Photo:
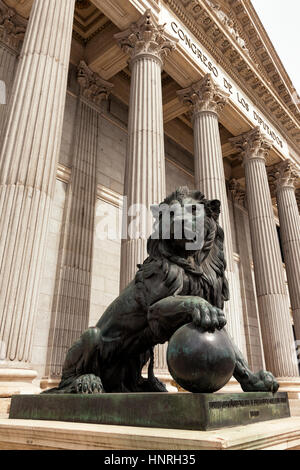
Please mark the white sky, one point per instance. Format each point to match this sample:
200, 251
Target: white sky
281, 19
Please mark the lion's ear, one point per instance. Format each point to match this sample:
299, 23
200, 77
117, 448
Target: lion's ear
215, 207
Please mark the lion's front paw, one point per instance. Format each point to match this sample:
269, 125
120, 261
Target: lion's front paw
262, 381
208, 317
88, 383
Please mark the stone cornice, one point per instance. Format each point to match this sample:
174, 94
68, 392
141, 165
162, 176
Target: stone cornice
201, 22
12, 27
146, 37
257, 34
253, 145
92, 86
204, 95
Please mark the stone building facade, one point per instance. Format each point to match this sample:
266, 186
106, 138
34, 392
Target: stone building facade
113, 98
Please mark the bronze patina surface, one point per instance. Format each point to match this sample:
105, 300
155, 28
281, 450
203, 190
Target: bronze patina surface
191, 411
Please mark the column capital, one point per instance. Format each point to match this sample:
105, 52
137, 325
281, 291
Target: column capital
204, 95
253, 145
92, 86
146, 38
12, 27
284, 175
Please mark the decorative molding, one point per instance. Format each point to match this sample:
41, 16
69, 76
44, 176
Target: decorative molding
253, 145
146, 37
63, 173
109, 196
102, 192
204, 95
229, 25
12, 27
92, 86
197, 17
83, 4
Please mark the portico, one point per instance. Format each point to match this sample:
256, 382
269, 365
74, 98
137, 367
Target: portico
171, 93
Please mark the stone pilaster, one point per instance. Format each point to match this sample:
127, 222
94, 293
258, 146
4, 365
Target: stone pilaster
28, 164
253, 339
286, 175
271, 291
147, 44
206, 101
71, 304
12, 31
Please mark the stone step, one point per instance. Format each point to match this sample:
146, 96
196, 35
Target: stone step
4, 407
294, 407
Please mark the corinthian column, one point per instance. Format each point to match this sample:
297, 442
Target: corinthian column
206, 101
273, 303
27, 177
285, 177
71, 304
12, 30
147, 44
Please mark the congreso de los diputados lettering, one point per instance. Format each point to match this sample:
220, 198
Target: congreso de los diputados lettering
107, 107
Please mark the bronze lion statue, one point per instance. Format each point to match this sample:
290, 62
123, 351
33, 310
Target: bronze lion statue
173, 286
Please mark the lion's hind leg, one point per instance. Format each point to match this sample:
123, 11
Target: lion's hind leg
81, 371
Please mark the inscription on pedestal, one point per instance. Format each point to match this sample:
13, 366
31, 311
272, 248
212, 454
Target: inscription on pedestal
194, 411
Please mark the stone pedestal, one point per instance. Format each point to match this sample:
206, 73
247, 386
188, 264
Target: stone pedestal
273, 303
206, 101
28, 172
189, 411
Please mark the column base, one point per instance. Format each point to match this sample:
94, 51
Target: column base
291, 385
48, 382
17, 381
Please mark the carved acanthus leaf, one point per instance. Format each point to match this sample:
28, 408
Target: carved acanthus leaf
146, 37
252, 145
204, 95
92, 86
12, 26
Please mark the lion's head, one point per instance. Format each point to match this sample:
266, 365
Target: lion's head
204, 268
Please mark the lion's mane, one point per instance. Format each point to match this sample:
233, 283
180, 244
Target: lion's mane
204, 269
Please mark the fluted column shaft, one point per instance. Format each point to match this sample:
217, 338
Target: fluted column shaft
289, 220
147, 44
145, 170
12, 30
71, 306
271, 291
28, 170
8, 61
206, 101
